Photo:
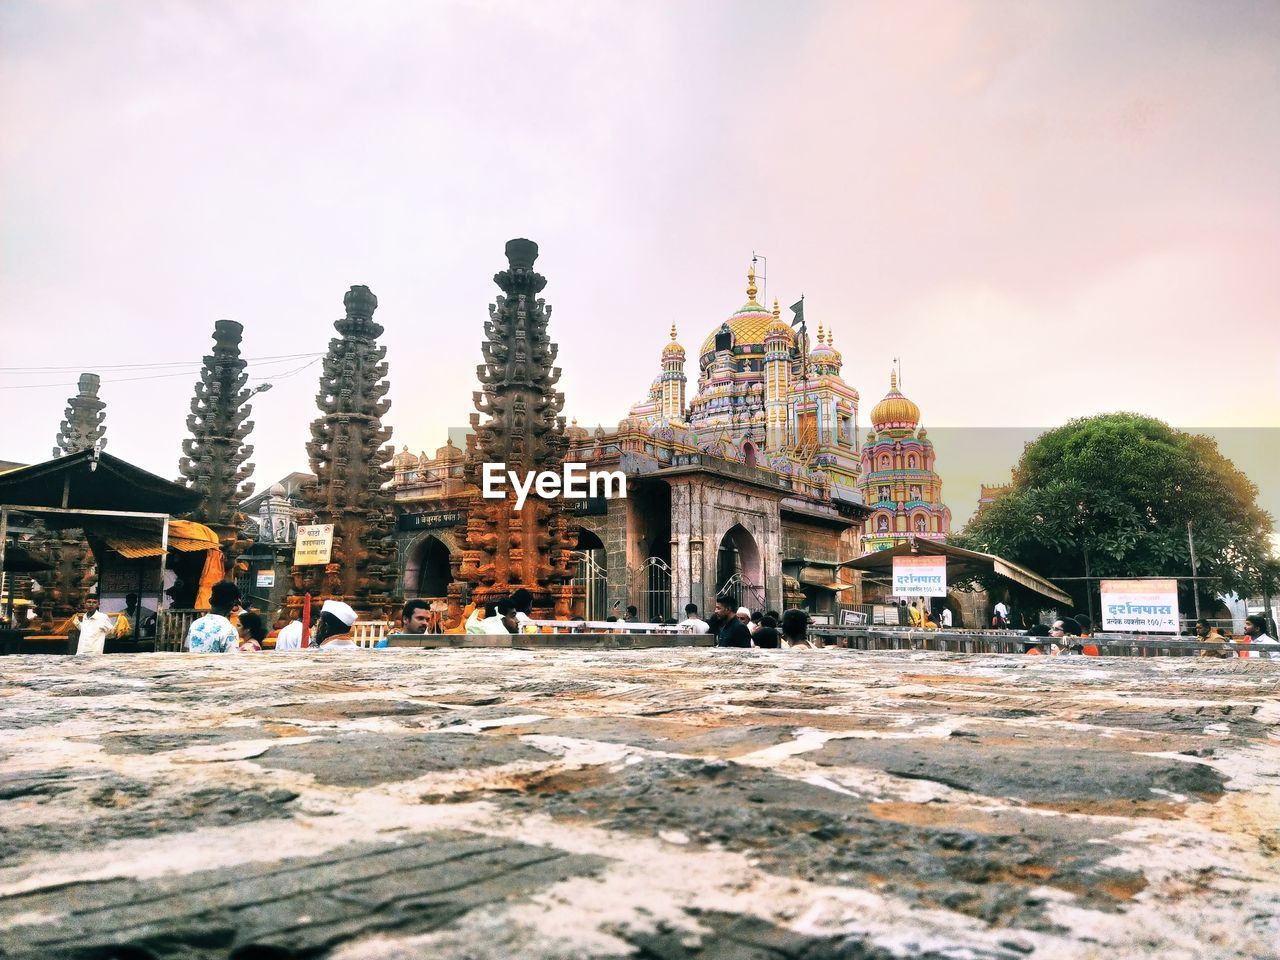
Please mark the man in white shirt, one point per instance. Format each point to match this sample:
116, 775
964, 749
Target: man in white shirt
1255, 628
503, 621
1000, 616
290, 636
333, 629
95, 627
692, 623
946, 618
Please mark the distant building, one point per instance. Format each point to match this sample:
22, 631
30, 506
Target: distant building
899, 481
271, 522
990, 493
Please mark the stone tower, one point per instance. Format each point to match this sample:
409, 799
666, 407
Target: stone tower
350, 459
214, 456
84, 427
508, 548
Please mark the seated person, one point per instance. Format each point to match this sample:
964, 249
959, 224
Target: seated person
478, 616
503, 619
253, 630
795, 629
333, 628
767, 635
415, 617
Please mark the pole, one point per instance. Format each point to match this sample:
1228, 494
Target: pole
1088, 592
1195, 582
306, 620
4, 535
164, 558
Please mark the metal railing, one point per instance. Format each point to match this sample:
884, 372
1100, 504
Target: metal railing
1009, 641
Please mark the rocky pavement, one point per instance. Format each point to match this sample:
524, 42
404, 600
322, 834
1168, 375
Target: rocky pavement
680, 804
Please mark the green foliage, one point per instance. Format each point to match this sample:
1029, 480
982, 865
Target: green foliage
1120, 488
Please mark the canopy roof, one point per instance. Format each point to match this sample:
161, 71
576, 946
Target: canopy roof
92, 480
961, 564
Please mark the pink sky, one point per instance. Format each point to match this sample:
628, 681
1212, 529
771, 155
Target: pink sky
1047, 209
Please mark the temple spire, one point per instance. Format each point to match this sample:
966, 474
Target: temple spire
751, 282
84, 426
350, 457
518, 422
214, 456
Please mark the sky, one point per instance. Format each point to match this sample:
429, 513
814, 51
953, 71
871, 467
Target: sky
1046, 209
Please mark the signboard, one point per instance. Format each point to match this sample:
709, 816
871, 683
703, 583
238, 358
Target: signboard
1147, 605
266, 578
432, 520
920, 576
852, 618
314, 544
886, 615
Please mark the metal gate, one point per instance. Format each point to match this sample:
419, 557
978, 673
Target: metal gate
593, 582
742, 592
655, 591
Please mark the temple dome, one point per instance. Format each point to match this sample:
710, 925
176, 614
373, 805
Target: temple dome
673, 349
894, 412
448, 451
749, 324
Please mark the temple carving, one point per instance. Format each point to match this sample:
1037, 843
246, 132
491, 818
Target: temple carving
214, 456
83, 426
350, 461
523, 428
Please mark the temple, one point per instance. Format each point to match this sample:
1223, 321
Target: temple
747, 489
899, 479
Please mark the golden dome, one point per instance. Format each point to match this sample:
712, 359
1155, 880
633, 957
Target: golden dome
894, 412
673, 348
779, 327
749, 324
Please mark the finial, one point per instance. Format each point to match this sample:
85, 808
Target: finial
751, 281
776, 312
820, 336
673, 333
893, 379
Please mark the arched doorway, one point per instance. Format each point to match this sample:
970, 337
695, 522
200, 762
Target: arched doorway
749, 454
591, 582
740, 568
427, 574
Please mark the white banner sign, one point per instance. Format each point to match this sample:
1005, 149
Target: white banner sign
919, 576
314, 544
1147, 605
266, 578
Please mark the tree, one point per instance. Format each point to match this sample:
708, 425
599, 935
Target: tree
1111, 496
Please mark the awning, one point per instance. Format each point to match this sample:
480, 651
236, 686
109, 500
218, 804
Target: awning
185, 535
92, 480
961, 564
822, 578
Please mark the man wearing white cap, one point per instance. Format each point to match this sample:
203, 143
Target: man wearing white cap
333, 631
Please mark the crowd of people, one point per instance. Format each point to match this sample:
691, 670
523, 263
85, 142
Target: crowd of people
229, 628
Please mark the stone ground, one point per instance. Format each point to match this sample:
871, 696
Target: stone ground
660, 804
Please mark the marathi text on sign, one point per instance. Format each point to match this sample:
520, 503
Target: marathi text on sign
1150, 606
919, 576
314, 544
